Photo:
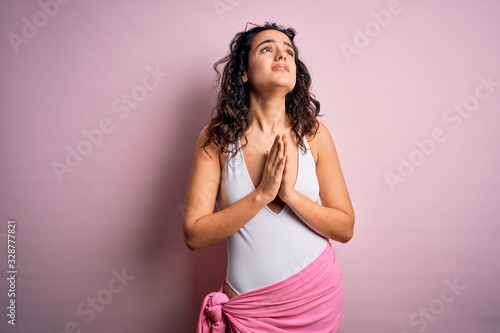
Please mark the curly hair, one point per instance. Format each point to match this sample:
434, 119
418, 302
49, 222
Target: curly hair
230, 117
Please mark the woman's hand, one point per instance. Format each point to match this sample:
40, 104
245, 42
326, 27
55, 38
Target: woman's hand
272, 176
287, 189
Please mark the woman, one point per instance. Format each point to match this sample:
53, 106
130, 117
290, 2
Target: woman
267, 162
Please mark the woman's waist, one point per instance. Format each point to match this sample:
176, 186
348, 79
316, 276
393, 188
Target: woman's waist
258, 264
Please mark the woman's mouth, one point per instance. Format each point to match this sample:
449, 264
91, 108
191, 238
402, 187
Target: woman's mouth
281, 67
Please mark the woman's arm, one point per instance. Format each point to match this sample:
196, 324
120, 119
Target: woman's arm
334, 217
202, 226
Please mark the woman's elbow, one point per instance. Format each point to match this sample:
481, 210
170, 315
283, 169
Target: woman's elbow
349, 234
346, 237
189, 238
190, 245
348, 231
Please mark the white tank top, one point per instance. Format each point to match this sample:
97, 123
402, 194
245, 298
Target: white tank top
271, 246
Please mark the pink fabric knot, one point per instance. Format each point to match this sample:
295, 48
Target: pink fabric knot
213, 309
211, 319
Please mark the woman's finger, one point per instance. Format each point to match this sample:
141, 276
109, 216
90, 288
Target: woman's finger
273, 152
280, 148
285, 145
277, 149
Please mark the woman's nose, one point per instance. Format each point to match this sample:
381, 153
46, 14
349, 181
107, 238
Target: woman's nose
281, 55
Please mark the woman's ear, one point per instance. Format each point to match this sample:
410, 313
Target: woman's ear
244, 77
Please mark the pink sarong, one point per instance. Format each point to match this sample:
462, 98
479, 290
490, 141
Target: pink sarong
309, 301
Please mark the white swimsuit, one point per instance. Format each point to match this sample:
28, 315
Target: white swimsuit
271, 246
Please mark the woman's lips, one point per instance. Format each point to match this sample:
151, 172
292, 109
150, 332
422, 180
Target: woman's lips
280, 67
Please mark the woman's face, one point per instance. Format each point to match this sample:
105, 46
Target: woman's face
271, 62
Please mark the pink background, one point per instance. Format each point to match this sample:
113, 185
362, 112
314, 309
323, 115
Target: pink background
120, 207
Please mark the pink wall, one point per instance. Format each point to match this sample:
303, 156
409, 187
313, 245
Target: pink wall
127, 85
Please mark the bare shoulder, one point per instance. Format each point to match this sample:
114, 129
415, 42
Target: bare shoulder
210, 151
202, 139
320, 142
202, 136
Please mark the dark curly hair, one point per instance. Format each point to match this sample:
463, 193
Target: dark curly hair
230, 119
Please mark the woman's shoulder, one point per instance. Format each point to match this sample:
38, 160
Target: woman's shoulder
209, 146
204, 143
203, 138
320, 134
319, 140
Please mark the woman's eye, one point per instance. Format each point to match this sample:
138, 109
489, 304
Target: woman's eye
266, 50
290, 53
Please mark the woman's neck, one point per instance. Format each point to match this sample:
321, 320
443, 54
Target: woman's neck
268, 115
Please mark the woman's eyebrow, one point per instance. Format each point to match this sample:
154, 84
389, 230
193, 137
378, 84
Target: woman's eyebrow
273, 41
